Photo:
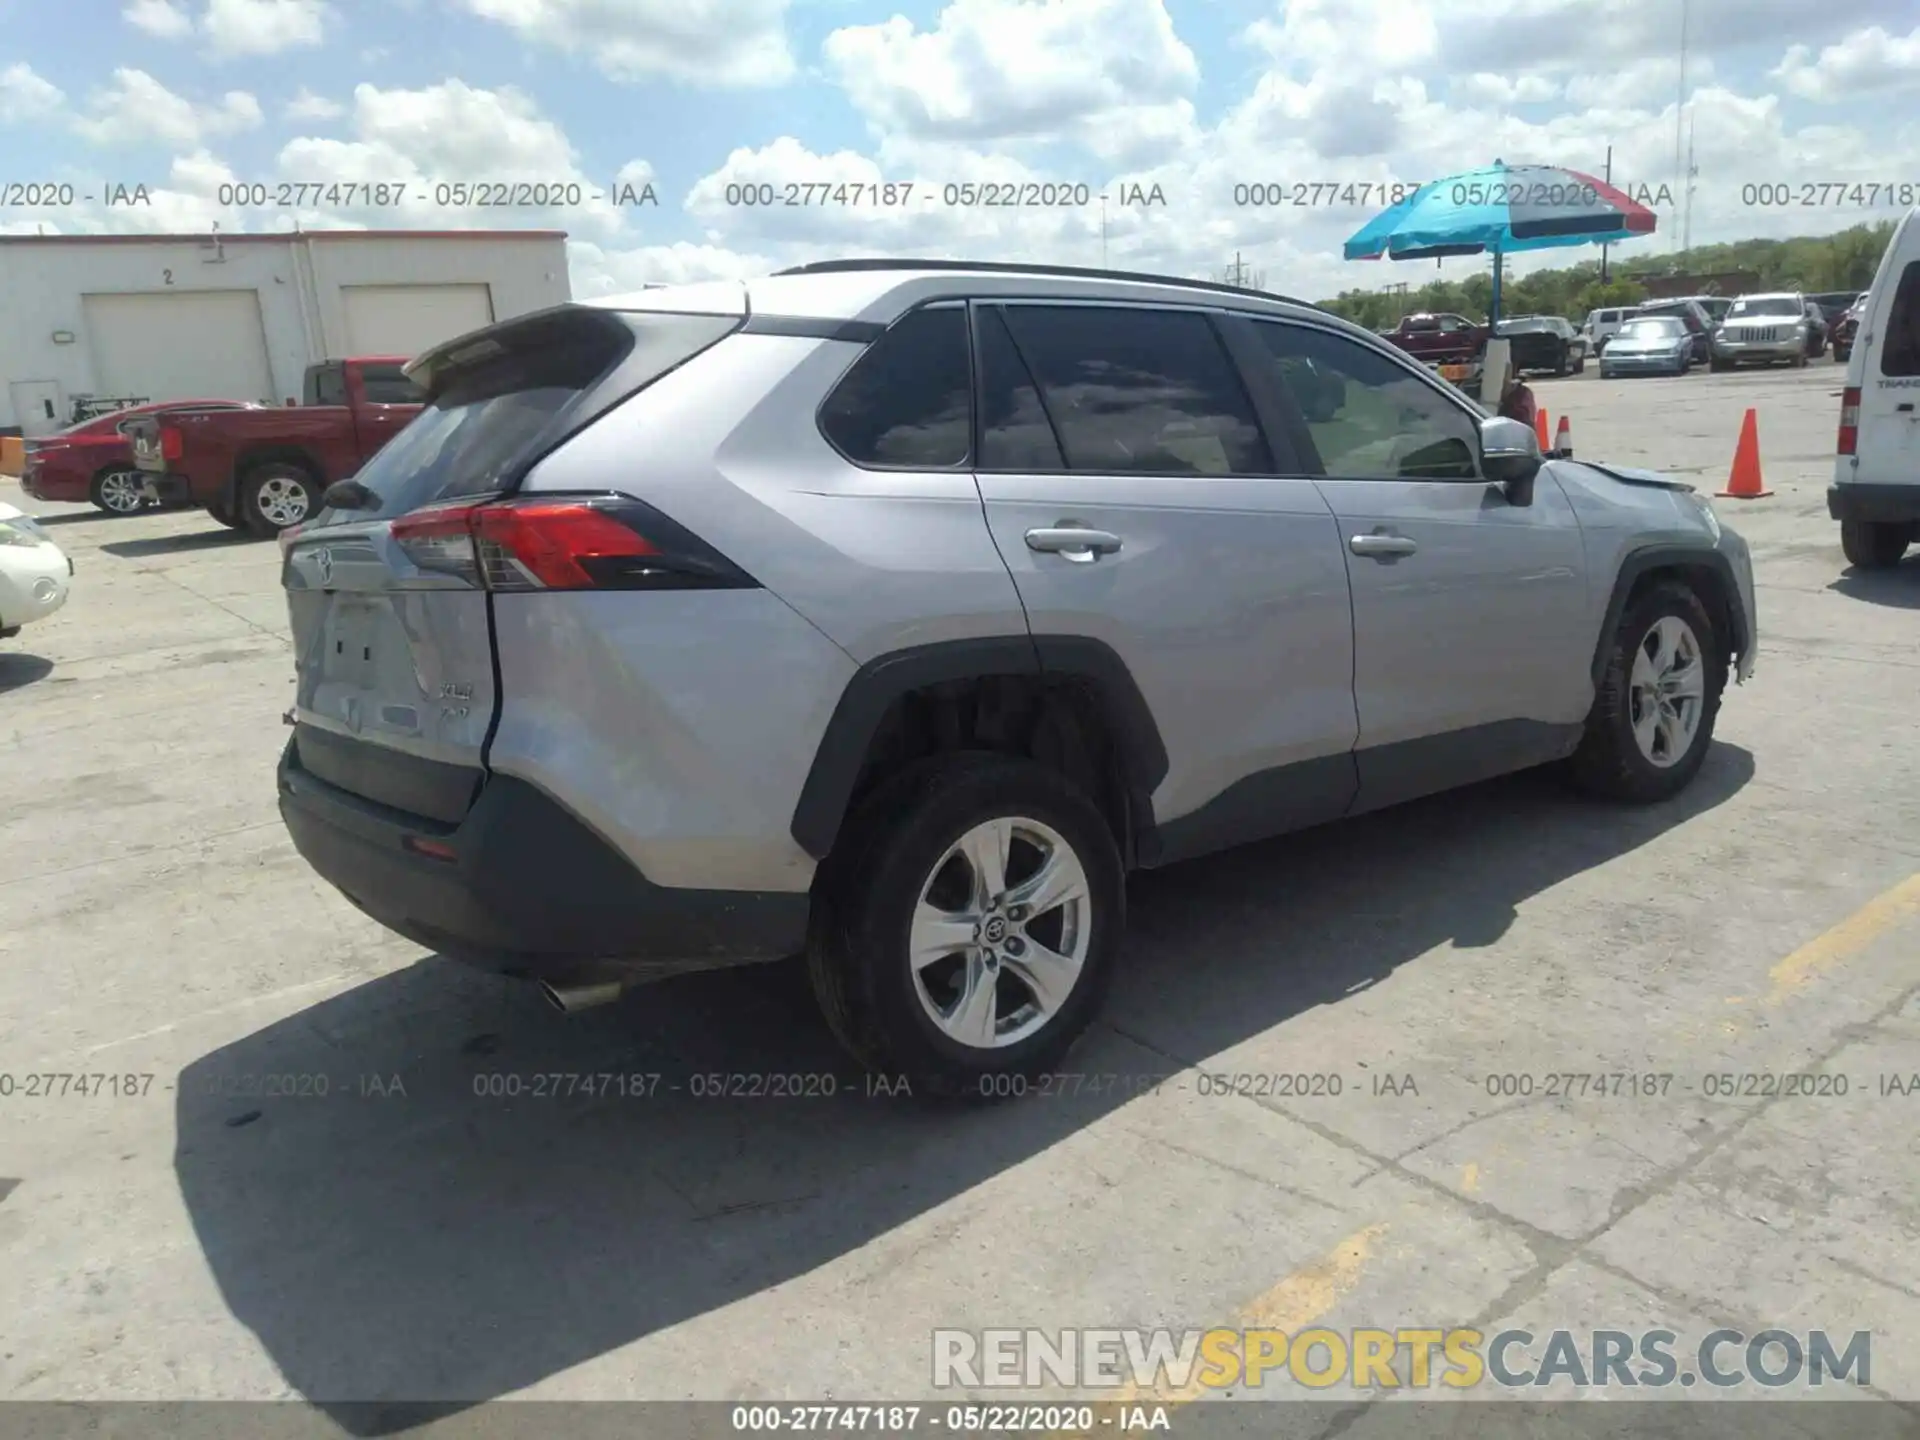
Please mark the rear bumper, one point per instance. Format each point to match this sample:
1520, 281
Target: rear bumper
1878, 504
531, 891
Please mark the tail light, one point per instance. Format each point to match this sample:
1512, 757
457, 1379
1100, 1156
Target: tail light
1849, 419
172, 443
600, 542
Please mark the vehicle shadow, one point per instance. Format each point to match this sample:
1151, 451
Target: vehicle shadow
410, 1237
17, 671
1898, 587
176, 544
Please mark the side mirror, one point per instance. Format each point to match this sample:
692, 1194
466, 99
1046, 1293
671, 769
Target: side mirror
1510, 457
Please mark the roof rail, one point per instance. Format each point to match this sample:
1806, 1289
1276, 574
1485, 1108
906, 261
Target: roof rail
988, 267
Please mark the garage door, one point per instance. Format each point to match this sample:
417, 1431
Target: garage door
406, 319
194, 345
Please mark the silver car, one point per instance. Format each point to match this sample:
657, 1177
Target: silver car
1763, 330
1649, 345
894, 610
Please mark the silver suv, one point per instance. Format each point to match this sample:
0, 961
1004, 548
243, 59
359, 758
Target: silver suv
894, 610
1763, 329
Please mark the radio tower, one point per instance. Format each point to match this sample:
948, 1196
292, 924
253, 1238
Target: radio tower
1693, 174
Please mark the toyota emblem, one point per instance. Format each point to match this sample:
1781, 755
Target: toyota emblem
323, 562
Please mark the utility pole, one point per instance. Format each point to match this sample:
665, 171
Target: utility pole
1680, 99
1603, 248
1693, 171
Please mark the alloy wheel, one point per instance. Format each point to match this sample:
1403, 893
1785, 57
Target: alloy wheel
121, 493
1668, 687
282, 501
1001, 933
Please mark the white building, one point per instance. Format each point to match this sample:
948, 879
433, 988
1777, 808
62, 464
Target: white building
185, 317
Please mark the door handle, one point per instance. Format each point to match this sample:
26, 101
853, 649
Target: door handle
1073, 542
1381, 547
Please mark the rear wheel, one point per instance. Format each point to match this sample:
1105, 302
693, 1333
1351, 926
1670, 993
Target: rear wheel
1653, 716
276, 497
118, 492
1580, 364
966, 927
1874, 545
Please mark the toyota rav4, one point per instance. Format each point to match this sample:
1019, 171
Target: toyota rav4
892, 611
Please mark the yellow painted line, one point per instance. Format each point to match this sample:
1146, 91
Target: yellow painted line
1843, 941
1292, 1305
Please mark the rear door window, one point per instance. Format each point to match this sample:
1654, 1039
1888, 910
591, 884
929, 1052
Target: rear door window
1900, 354
327, 385
1138, 391
1015, 433
907, 402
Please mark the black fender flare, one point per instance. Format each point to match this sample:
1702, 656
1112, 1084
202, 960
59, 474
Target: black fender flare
1639, 563
842, 752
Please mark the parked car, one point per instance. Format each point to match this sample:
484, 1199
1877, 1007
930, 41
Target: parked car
34, 571
1649, 345
1693, 315
93, 460
1833, 304
264, 469
1439, 339
1816, 332
612, 667
1544, 342
1764, 330
1602, 325
1847, 328
1875, 493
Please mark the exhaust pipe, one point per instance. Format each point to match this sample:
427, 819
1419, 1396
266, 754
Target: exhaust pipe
572, 999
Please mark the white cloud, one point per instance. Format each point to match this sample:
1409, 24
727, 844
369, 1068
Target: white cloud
1110, 73
25, 95
1865, 61
160, 18
720, 42
1486, 88
263, 27
308, 106
136, 109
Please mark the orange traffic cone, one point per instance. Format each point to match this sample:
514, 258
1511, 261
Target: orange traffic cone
1563, 438
1744, 482
1540, 430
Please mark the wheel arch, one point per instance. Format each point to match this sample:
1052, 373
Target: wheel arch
253, 458
870, 697
1702, 567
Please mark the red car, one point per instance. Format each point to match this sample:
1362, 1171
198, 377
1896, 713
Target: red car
94, 460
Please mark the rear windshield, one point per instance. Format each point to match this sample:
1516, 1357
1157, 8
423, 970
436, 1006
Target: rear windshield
1900, 354
1780, 305
1651, 329
488, 417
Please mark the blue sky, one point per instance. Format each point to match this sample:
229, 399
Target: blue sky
1197, 97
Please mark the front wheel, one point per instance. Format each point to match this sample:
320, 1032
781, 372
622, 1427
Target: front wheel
1874, 545
1653, 716
1580, 365
118, 492
965, 929
276, 497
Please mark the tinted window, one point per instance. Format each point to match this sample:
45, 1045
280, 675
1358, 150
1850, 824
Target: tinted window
326, 385
389, 385
1900, 355
1015, 433
1369, 417
908, 400
1652, 330
1140, 391
1785, 305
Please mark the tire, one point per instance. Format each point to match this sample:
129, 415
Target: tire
891, 855
1563, 362
1800, 361
267, 503
1580, 365
1874, 545
1612, 763
1840, 356
1718, 367
226, 517
110, 491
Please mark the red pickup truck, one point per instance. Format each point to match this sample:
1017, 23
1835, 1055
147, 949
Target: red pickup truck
264, 470
1439, 339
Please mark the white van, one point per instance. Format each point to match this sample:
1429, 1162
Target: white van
1875, 493
1602, 325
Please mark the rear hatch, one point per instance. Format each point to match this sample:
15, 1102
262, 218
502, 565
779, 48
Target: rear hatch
392, 622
